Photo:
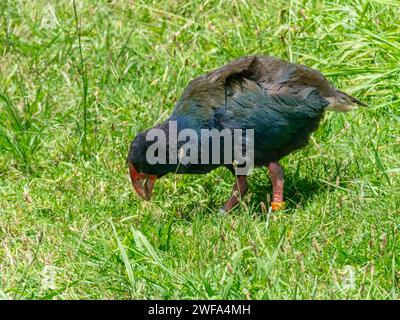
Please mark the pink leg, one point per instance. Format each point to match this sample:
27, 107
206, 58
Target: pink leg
239, 189
276, 175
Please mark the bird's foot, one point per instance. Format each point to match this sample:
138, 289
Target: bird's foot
230, 204
278, 206
222, 212
239, 189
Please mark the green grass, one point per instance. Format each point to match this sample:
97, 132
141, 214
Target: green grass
77, 85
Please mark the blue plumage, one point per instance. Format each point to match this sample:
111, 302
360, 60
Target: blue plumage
282, 120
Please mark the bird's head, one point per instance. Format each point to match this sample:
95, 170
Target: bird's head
143, 175
144, 172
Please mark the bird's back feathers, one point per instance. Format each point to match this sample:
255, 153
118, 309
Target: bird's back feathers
260, 93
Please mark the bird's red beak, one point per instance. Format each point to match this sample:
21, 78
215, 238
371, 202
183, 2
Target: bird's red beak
142, 182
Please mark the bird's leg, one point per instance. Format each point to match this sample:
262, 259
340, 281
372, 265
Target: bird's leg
276, 175
238, 191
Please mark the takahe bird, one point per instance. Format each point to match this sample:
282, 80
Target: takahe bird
282, 102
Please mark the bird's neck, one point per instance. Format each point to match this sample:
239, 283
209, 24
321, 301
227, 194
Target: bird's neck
173, 138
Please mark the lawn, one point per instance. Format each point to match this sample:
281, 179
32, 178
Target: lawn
77, 82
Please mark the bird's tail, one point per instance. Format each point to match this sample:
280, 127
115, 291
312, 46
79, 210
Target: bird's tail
350, 99
343, 102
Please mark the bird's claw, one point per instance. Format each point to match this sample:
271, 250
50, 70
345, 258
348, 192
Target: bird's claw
278, 206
